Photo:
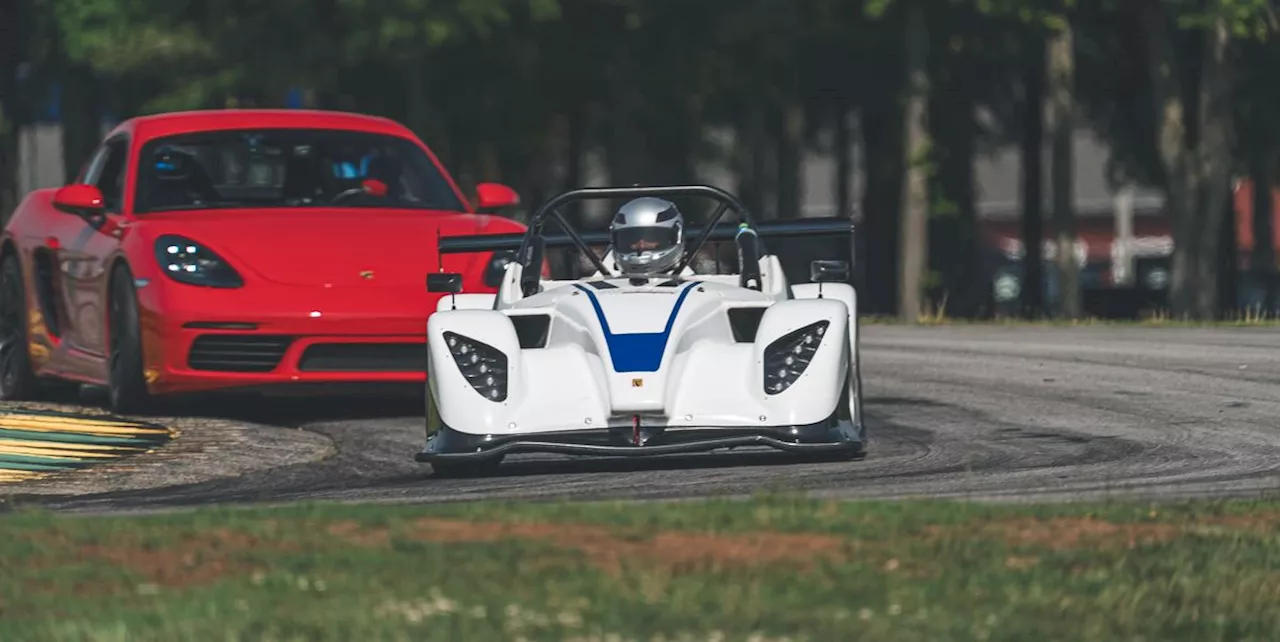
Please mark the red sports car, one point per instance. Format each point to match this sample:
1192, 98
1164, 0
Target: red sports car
211, 250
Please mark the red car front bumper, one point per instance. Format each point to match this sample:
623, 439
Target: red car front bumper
204, 339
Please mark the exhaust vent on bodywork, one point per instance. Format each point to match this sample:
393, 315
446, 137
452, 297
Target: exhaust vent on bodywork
744, 322
531, 329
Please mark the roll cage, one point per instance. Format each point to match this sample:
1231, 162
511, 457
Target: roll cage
530, 245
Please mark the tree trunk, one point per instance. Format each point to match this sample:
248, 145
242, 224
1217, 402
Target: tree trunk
10, 56
790, 157
967, 293
81, 123
1214, 156
1228, 256
963, 289
1171, 143
1197, 170
1263, 261
844, 159
1032, 291
1061, 126
913, 238
881, 122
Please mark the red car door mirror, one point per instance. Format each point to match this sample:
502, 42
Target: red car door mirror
494, 195
79, 199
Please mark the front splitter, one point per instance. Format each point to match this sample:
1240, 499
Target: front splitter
822, 439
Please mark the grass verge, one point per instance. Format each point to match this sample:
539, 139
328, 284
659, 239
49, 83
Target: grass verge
770, 569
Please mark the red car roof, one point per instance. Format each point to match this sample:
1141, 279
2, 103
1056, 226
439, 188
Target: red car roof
186, 122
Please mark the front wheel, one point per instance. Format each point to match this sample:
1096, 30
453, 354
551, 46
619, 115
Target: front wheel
17, 381
127, 388
849, 410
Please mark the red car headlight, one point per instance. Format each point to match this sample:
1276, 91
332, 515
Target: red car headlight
186, 261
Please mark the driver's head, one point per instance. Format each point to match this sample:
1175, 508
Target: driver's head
648, 236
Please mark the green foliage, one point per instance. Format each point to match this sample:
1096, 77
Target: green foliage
1245, 18
121, 37
499, 87
213, 47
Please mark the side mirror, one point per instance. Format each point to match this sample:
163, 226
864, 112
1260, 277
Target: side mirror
446, 282
494, 195
79, 199
821, 271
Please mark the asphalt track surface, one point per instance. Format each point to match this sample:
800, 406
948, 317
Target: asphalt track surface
991, 413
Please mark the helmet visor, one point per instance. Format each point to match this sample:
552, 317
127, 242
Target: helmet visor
638, 240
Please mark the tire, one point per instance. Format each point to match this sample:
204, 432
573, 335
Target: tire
17, 381
862, 418
842, 413
126, 387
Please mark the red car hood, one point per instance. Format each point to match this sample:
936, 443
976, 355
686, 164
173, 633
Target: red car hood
332, 247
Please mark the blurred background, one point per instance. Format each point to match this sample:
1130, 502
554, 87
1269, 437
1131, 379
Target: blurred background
1034, 158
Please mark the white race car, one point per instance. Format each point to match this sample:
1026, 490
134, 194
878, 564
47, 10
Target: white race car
617, 366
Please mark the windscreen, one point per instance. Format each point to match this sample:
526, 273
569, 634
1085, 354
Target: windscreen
302, 168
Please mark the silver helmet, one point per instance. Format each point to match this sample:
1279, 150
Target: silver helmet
648, 236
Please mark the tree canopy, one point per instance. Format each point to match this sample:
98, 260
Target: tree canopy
526, 91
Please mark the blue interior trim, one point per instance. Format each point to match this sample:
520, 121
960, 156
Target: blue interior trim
637, 351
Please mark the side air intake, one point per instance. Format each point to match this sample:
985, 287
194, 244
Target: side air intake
532, 329
744, 322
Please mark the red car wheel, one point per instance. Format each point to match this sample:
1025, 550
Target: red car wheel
126, 386
16, 379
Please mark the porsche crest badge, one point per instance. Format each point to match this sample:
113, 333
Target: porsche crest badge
366, 275
637, 383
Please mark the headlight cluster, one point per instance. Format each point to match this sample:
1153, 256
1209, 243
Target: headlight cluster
184, 260
786, 358
484, 366
497, 267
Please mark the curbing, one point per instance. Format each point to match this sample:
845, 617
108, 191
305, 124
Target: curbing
39, 443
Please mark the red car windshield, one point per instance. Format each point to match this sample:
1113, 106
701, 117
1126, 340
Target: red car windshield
243, 169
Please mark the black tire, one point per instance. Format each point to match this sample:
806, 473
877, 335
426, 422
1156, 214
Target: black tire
17, 381
126, 387
862, 418
842, 413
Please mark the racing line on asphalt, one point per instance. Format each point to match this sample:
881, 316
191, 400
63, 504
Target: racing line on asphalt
999, 413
